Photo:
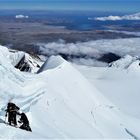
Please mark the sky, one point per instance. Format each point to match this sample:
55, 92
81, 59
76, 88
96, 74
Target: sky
85, 5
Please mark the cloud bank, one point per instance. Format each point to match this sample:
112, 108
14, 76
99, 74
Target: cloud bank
115, 18
21, 16
126, 32
88, 53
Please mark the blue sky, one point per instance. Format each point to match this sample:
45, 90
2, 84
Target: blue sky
94, 5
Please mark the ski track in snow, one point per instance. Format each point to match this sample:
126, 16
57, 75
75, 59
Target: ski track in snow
131, 134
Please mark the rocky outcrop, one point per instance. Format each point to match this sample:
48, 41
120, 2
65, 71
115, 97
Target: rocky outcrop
23, 61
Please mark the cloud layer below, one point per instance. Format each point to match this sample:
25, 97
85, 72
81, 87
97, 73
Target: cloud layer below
88, 53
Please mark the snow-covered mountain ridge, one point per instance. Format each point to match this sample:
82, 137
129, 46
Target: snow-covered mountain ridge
63, 102
21, 60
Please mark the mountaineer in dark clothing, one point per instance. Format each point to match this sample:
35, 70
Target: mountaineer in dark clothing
12, 110
25, 122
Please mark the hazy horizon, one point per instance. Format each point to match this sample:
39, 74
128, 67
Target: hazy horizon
72, 5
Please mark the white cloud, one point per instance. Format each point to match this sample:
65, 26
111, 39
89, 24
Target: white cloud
109, 18
21, 16
114, 18
87, 52
94, 48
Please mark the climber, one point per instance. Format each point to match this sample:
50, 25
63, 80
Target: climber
12, 111
25, 122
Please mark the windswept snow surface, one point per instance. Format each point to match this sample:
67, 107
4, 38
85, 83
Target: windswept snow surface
62, 103
51, 63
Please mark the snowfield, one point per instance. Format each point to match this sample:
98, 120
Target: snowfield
72, 102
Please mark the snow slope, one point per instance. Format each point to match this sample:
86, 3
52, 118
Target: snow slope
119, 83
61, 103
